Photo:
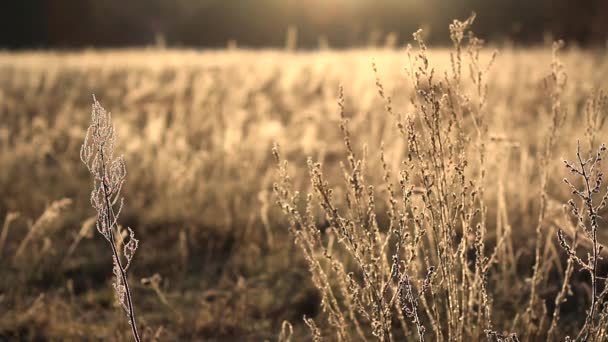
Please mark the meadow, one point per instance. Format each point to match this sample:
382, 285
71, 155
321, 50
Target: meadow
402, 237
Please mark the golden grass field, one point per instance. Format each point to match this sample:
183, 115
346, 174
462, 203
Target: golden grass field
197, 128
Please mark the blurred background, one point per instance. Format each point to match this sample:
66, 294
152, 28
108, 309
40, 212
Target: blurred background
37, 24
196, 123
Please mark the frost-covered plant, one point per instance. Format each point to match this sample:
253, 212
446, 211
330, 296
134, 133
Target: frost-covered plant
109, 175
588, 222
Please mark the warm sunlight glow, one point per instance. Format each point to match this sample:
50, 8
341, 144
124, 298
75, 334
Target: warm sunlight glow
304, 170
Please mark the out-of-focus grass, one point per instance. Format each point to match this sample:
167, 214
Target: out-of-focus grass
196, 129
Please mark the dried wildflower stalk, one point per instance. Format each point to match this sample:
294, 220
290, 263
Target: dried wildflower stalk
587, 219
565, 289
109, 175
595, 115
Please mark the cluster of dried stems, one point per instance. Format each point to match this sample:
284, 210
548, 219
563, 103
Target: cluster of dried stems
423, 268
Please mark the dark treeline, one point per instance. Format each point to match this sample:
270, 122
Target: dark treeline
264, 23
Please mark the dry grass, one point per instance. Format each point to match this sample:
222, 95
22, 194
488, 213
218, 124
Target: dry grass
436, 194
